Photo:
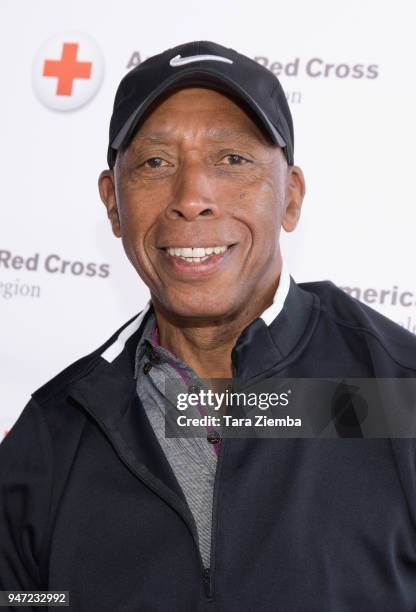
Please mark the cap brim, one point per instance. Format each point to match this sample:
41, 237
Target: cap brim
197, 77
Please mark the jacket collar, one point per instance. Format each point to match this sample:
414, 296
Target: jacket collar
262, 348
263, 343
268, 316
279, 298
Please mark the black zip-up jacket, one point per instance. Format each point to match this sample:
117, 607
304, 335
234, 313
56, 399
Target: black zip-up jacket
89, 503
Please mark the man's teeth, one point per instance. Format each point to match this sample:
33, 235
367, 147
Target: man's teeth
196, 254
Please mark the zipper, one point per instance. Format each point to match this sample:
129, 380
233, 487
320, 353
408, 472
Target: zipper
208, 572
206, 576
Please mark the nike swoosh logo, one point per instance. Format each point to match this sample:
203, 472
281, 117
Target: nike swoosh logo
181, 61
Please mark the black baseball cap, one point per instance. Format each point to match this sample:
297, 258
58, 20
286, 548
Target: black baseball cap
201, 64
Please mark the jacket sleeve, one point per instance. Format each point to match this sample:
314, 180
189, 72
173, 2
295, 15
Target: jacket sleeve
25, 491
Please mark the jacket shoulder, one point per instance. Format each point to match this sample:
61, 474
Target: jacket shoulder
347, 311
78, 368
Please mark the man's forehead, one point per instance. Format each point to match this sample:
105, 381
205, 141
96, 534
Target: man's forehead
216, 133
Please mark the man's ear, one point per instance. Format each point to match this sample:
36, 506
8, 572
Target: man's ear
295, 192
107, 191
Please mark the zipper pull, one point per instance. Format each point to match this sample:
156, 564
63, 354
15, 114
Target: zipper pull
207, 580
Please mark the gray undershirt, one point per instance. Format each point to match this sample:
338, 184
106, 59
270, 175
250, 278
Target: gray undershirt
193, 459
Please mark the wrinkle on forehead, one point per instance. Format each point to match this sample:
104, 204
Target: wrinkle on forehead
212, 132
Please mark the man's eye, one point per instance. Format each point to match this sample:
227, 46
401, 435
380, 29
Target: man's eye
235, 160
154, 162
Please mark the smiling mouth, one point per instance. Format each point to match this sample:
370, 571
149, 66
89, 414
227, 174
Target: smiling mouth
197, 254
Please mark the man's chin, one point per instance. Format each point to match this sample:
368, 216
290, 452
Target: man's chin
203, 308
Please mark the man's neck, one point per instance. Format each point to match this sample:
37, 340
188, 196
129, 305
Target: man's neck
206, 349
206, 345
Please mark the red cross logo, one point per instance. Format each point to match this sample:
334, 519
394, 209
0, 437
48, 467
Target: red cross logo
62, 81
67, 69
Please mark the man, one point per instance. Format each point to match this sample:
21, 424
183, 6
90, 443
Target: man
95, 499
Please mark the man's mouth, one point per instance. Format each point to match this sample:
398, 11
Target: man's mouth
196, 254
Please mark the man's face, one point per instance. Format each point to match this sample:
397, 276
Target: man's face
199, 174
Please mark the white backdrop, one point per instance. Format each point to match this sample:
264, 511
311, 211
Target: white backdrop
348, 70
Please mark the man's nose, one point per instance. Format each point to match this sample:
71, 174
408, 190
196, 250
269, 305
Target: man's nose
193, 193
